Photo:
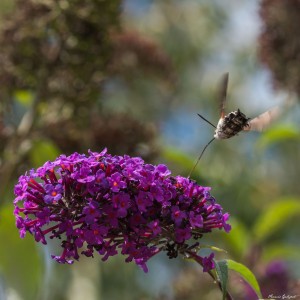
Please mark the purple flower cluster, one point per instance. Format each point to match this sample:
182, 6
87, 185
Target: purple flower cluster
109, 204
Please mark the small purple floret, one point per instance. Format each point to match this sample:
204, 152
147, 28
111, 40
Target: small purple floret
208, 262
99, 203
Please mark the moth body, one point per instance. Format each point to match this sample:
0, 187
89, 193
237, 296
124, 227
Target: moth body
230, 125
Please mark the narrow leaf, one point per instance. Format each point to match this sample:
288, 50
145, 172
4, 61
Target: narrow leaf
246, 274
278, 134
222, 272
280, 251
212, 248
276, 217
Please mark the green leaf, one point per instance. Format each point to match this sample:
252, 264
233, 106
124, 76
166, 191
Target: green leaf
42, 151
247, 275
278, 134
222, 272
277, 215
280, 251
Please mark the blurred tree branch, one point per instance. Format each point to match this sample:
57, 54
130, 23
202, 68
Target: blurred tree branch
63, 53
19, 144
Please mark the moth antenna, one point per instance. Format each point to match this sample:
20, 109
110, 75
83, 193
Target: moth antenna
200, 157
207, 121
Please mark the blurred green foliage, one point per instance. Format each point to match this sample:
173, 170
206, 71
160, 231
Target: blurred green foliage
20, 261
131, 75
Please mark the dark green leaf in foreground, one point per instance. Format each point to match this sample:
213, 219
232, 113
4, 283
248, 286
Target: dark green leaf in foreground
222, 272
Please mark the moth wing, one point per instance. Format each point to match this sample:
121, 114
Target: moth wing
223, 93
264, 120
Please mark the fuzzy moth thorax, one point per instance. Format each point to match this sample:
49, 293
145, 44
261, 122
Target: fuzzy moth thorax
231, 125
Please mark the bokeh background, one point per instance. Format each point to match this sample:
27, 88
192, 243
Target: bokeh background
131, 75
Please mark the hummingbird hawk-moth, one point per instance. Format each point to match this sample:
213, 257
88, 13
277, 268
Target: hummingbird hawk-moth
231, 124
